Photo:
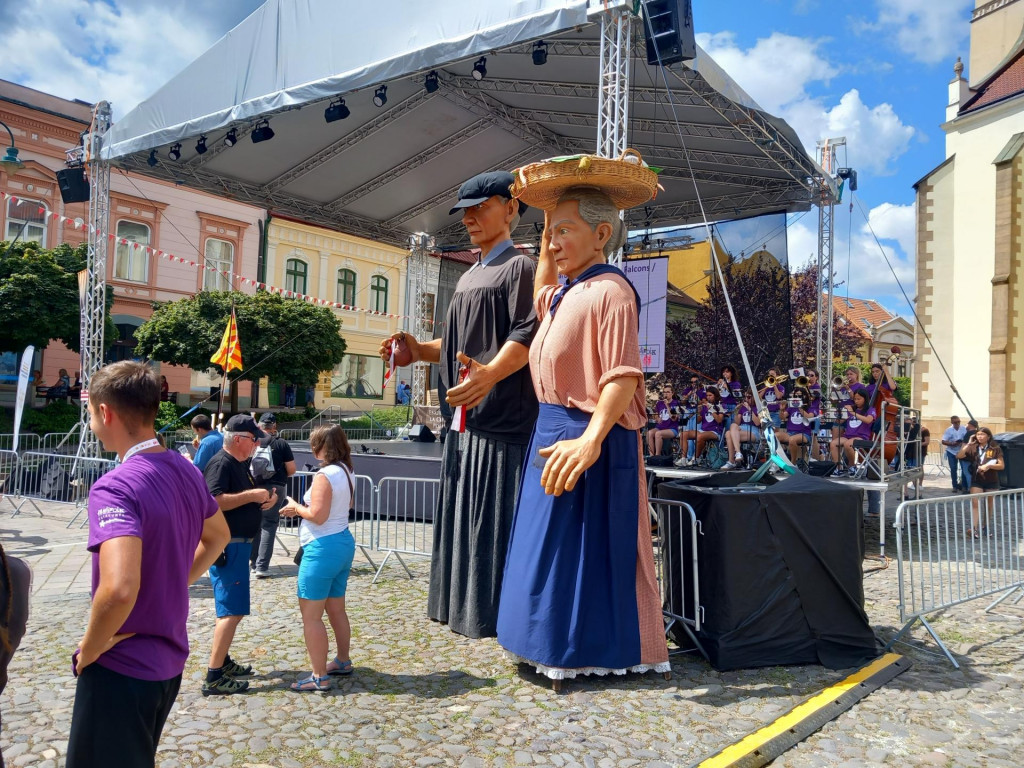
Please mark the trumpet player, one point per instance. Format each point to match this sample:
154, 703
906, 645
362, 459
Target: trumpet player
729, 388
710, 427
843, 398
858, 417
800, 415
667, 413
773, 394
744, 428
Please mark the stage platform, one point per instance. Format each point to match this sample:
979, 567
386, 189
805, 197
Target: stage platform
397, 458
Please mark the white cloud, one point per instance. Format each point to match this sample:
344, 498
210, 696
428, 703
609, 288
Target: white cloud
95, 49
778, 72
859, 264
931, 31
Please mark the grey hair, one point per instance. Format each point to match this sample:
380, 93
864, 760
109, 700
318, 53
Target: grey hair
515, 220
597, 208
230, 435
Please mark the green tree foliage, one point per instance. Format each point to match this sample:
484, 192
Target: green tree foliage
39, 296
284, 339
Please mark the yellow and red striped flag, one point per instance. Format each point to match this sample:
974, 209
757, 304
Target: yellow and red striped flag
229, 355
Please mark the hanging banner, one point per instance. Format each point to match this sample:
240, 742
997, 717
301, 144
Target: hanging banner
19, 402
650, 278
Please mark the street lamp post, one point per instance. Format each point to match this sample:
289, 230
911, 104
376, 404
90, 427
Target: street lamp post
10, 163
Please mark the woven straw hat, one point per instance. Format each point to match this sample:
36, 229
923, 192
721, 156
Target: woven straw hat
628, 181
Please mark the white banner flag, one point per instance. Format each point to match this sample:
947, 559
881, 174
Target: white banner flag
19, 402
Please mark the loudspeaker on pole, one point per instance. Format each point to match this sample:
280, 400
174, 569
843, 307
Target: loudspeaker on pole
73, 186
668, 31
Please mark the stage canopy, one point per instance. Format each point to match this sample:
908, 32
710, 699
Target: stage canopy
385, 172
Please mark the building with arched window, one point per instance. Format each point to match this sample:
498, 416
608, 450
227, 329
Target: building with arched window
364, 280
217, 239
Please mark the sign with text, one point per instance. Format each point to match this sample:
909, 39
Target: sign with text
650, 278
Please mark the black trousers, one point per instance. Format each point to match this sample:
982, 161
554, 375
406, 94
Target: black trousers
117, 720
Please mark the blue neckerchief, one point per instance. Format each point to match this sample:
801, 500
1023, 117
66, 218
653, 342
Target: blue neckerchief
594, 271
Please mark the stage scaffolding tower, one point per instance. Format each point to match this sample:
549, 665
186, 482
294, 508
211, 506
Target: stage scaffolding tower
826, 203
94, 292
613, 95
420, 245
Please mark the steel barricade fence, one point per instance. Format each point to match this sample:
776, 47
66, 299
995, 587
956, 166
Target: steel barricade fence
57, 478
677, 557
9, 476
59, 442
405, 518
27, 441
955, 549
361, 522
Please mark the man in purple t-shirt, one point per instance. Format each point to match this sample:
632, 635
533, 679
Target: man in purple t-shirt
154, 529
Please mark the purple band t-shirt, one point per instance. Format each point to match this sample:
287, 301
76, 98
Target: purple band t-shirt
162, 499
708, 423
664, 413
857, 429
796, 424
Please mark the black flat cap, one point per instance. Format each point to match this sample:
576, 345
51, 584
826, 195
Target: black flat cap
484, 186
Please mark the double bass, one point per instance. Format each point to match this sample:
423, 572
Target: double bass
883, 400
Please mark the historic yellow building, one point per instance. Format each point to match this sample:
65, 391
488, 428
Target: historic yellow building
346, 270
970, 215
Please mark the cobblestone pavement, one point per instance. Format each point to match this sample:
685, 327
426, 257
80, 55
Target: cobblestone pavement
423, 696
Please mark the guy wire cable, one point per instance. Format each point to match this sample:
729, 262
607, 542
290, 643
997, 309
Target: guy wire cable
913, 309
777, 455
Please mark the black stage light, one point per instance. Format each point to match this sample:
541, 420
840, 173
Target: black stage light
262, 132
540, 53
152, 161
430, 82
201, 146
336, 111
175, 152
231, 138
380, 96
480, 68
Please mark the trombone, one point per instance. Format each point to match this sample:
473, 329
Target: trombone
800, 381
773, 381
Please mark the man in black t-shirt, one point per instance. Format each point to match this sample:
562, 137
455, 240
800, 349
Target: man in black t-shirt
282, 463
241, 500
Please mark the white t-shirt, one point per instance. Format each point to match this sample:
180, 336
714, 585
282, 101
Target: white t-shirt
341, 502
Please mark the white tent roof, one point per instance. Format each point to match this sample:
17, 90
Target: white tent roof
386, 172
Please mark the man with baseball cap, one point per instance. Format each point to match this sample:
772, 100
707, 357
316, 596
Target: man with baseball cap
271, 466
487, 333
240, 499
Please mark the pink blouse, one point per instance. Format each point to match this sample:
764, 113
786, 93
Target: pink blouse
592, 340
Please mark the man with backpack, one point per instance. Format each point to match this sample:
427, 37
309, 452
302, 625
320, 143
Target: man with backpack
271, 466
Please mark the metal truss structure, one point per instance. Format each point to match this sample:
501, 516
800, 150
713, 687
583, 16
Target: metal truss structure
826, 257
420, 245
94, 293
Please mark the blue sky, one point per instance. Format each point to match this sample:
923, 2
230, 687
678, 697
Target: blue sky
875, 72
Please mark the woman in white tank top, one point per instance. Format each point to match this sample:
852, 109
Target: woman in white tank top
328, 549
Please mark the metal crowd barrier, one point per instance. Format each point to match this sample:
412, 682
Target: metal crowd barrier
676, 558
9, 465
56, 478
27, 441
360, 522
405, 518
945, 558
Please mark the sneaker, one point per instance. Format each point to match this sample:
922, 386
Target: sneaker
682, 462
737, 459
852, 471
232, 668
264, 574
838, 472
729, 465
224, 686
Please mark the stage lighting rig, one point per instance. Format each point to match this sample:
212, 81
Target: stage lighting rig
201, 146
262, 132
540, 53
850, 175
480, 68
175, 152
231, 138
152, 161
336, 111
430, 82
380, 96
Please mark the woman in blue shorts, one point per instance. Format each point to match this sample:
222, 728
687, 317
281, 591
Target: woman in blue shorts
328, 549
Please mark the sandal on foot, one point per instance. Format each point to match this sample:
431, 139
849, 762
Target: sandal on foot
224, 686
340, 667
312, 683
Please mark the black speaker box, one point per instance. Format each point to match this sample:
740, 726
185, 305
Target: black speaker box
821, 468
668, 31
421, 433
73, 186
